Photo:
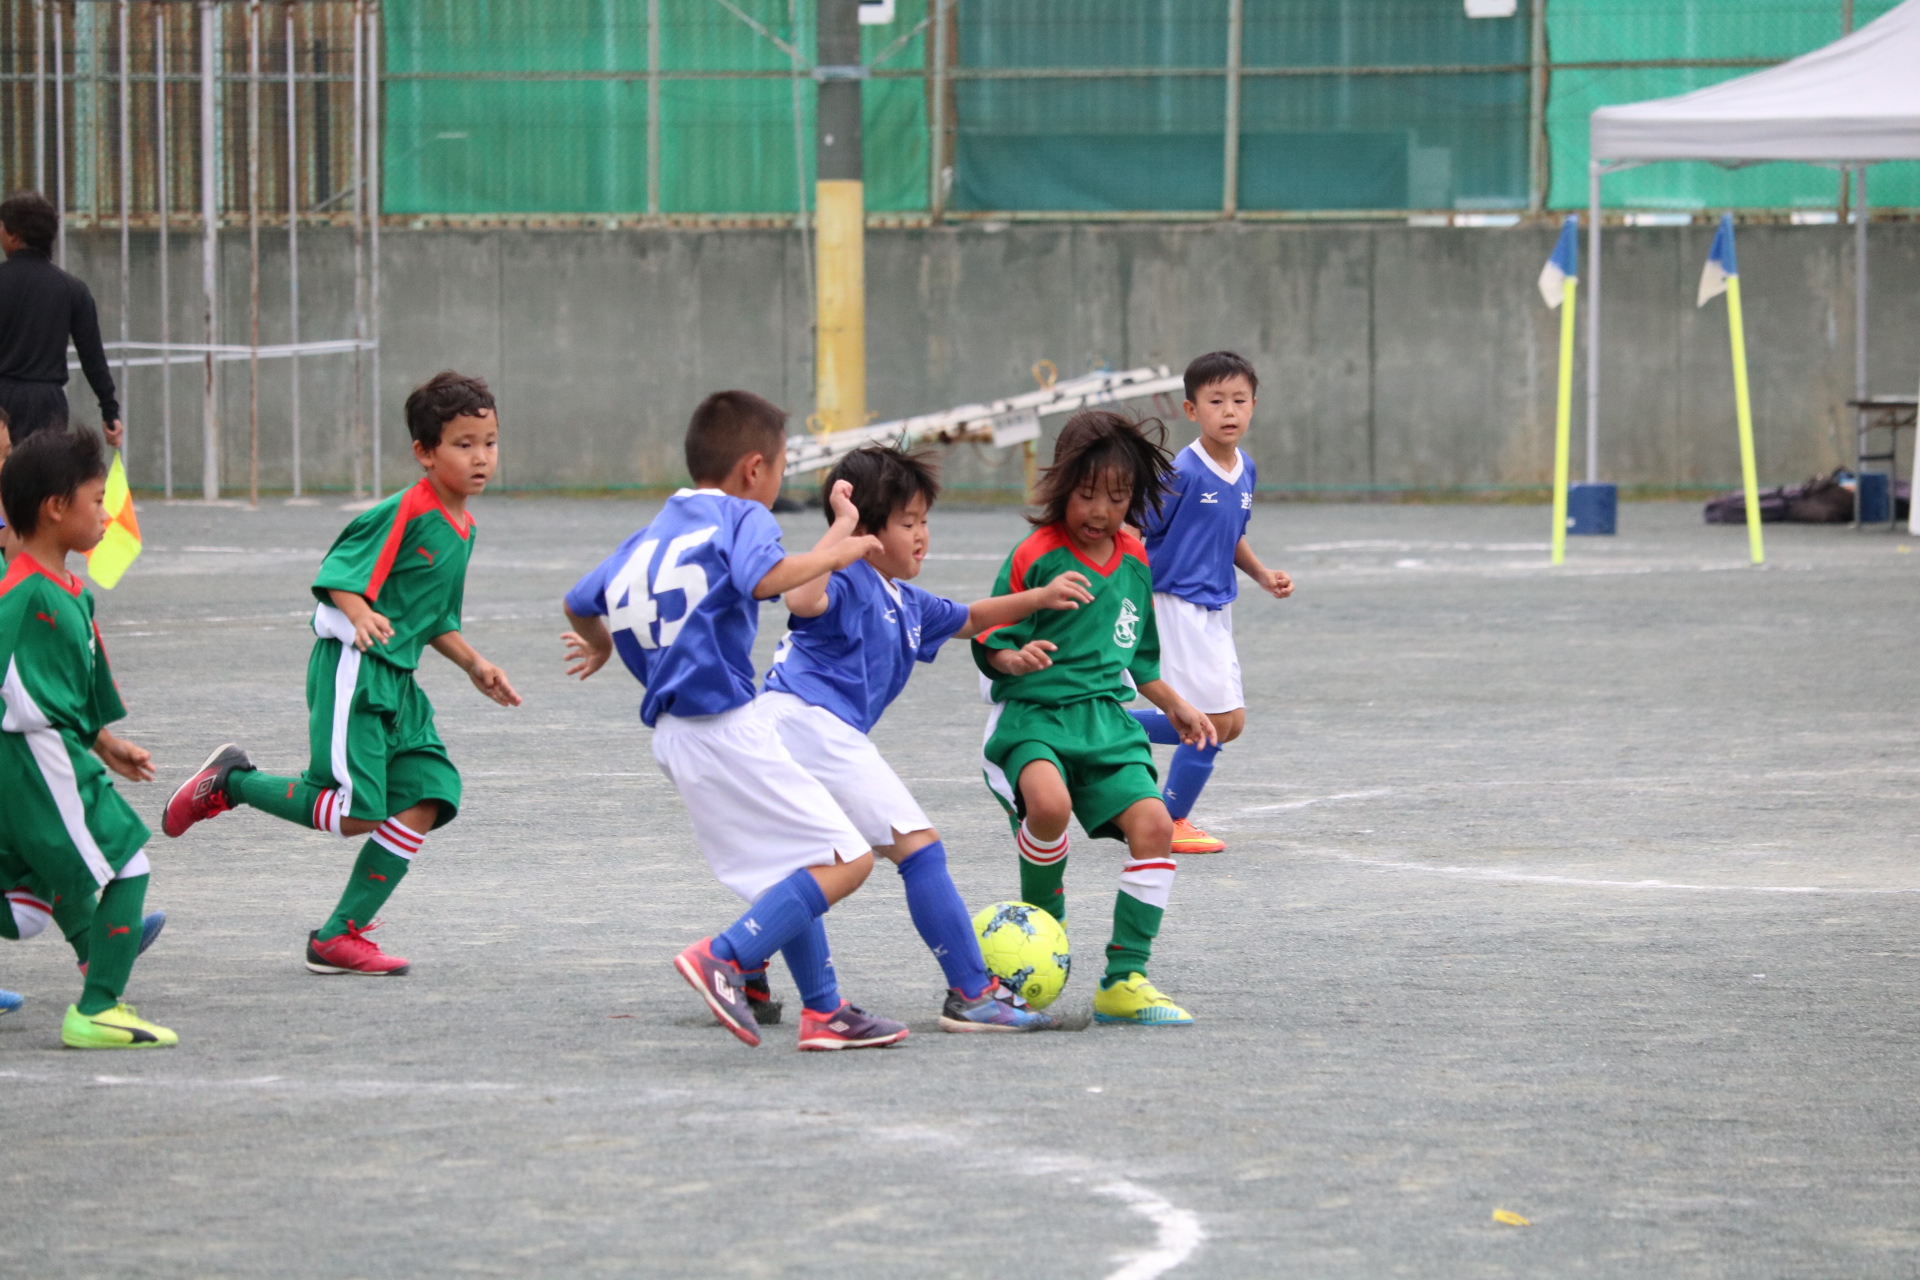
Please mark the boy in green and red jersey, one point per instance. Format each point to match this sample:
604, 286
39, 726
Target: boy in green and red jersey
63, 827
1060, 743
390, 587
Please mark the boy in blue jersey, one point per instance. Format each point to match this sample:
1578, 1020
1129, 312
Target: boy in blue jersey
1194, 543
853, 640
680, 602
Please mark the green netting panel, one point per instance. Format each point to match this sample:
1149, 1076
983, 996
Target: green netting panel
1643, 30
1307, 142
727, 144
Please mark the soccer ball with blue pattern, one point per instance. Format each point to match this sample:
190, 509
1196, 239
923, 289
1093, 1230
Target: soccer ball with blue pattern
1025, 948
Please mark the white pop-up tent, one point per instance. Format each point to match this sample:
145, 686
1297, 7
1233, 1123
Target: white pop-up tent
1850, 104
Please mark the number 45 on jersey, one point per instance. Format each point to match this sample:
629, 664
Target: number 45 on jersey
634, 600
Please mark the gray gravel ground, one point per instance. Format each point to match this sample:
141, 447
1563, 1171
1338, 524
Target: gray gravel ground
1585, 894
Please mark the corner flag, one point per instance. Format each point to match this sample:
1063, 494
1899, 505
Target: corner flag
120, 547
1564, 265
1722, 264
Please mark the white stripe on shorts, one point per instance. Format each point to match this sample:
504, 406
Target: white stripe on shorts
49, 749
335, 625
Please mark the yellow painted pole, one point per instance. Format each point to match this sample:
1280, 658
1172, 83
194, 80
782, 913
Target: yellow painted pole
1743, 410
840, 344
1563, 422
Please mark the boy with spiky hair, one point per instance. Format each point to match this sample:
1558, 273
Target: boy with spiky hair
1194, 542
64, 827
1060, 744
853, 641
390, 587
680, 602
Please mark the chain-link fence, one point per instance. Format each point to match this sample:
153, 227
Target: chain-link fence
700, 110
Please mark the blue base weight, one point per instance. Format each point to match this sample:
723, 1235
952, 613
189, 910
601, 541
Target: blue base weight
1591, 508
1873, 498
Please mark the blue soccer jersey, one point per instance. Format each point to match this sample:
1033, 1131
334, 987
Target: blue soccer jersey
855, 658
1190, 544
678, 597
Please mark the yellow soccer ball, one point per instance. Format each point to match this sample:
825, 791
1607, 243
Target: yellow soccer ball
1025, 948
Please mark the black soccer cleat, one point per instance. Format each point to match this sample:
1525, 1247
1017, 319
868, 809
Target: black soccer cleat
766, 1010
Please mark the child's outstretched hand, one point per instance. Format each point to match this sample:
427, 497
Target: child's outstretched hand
841, 500
1027, 659
852, 549
1068, 591
135, 764
1274, 583
492, 681
584, 657
1192, 724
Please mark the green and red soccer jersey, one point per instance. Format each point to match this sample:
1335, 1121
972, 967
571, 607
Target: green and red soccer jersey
56, 668
1097, 645
408, 556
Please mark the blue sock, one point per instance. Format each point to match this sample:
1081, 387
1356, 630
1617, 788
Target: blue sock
811, 965
1159, 729
1188, 773
782, 913
941, 917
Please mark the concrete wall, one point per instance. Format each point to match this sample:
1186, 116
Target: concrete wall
1391, 357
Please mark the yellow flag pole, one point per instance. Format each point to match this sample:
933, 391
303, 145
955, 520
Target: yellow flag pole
1743, 409
1563, 421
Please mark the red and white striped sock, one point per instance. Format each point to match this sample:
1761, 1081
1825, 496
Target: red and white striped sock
1148, 880
1041, 853
328, 808
30, 914
399, 840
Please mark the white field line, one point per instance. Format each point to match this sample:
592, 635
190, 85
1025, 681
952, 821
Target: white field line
1308, 804
1178, 1234
1515, 875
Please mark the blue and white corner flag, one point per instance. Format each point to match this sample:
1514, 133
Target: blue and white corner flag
1721, 263
1564, 265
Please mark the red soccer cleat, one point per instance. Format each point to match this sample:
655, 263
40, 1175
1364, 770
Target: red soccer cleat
351, 952
719, 983
204, 795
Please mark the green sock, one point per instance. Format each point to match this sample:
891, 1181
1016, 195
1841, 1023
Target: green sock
289, 798
375, 874
114, 943
1045, 887
1135, 926
75, 918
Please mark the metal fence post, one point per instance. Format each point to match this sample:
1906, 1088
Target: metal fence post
253, 253
40, 95
293, 249
209, 249
59, 137
1230, 197
163, 197
1537, 110
937, 160
126, 205
653, 108
357, 179
373, 218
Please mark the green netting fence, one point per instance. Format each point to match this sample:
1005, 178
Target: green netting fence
1064, 107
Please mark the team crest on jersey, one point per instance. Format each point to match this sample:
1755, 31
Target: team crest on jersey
1126, 632
1246, 500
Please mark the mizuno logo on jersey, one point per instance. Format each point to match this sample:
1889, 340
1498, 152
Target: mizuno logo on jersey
1210, 499
1126, 632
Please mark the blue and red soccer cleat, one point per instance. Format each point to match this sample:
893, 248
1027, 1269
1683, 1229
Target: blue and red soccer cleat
998, 1008
721, 984
848, 1027
204, 795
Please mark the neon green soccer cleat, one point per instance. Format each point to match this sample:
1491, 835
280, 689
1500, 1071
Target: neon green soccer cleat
115, 1028
1135, 1000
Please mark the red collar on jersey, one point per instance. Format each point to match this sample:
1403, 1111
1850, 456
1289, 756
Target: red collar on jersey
417, 501
1054, 536
25, 566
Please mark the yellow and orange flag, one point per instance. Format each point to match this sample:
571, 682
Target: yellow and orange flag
120, 547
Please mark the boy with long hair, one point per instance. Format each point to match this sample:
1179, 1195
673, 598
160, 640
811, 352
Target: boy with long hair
1060, 743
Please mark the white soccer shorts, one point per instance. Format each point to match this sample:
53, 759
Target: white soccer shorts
758, 817
1197, 656
847, 763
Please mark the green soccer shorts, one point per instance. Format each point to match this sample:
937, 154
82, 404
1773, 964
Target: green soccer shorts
371, 731
1102, 753
63, 824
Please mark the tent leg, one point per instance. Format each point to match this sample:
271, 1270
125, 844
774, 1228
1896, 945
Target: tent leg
1593, 322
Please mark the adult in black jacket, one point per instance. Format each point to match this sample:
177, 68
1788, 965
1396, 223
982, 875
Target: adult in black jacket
41, 309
